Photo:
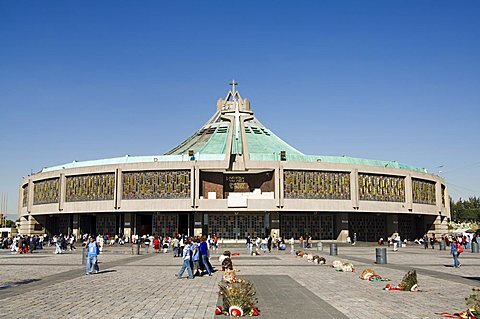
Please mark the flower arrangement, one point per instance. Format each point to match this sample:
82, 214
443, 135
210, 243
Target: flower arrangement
473, 303
238, 298
409, 283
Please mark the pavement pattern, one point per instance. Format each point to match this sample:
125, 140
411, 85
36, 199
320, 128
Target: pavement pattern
46, 285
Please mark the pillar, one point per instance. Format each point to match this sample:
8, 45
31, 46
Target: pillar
29, 225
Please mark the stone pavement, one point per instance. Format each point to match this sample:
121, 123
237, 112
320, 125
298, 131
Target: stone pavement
45, 285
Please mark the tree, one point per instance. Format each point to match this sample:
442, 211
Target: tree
465, 210
9, 223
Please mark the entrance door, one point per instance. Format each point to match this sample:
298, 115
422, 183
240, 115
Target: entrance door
145, 224
183, 224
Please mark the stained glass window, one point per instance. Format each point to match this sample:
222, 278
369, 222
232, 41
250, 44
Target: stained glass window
156, 184
423, 191
46, 191
316, 185
25, 196
381, 188
93, 187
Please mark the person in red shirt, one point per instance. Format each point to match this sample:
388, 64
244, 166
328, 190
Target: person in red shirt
156, 244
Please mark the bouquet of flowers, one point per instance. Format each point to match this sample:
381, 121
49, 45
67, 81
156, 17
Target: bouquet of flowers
239, 298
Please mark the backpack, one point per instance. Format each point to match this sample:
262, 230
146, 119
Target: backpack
459, 248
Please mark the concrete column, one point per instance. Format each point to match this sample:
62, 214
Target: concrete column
447, 203
354, 189
118, 188
440, 226
23, 227
409, 193
438, 197
63, 191
341, 226
28, 226
280, 180
195, 185
30, 195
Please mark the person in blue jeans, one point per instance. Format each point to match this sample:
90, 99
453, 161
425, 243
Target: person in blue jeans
187, 257
203, 248
454, 253
92, 255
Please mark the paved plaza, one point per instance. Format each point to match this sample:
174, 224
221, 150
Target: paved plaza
45, 285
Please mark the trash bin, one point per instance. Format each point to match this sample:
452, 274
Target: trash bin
333, 249
136, 249
319, 246
442, 244
380, 255
475, 247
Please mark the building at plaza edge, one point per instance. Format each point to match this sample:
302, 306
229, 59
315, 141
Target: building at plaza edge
234, 177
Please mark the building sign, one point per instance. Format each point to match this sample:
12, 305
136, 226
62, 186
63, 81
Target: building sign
236, 183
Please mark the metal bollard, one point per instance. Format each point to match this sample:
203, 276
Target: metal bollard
136, 249
84, 256
333, 249
319, 246
475, 247
380, 255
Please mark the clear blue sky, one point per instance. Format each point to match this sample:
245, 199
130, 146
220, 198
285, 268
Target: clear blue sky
389, 80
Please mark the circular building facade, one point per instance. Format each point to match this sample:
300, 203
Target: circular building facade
234, 177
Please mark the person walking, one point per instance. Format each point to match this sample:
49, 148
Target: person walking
203, 249
454, 252
187, 257
92, 261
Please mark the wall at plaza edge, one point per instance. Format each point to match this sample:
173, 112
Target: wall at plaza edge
234, 177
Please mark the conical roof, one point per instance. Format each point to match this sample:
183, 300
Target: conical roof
234, 129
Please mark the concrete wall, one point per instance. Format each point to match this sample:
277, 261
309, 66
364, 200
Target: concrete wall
195, 204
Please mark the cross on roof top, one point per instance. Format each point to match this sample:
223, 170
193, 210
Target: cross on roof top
233, 83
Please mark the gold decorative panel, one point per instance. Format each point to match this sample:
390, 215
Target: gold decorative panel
316, 185
423, 192
381, 188
25, 196
156, 184
94, 187
46, 191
